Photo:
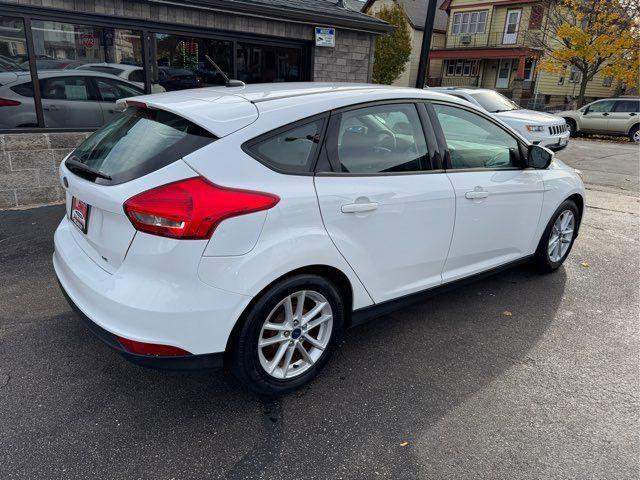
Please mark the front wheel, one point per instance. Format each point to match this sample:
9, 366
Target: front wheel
634, 134
573, 128
288, 335
558, 237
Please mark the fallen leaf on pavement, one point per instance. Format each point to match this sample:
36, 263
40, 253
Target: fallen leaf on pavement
404, 444
585, 264
507, 313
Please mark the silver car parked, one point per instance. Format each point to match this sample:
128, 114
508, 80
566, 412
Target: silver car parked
70, 98
610, 116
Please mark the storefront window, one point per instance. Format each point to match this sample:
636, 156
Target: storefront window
16, 111
74, 64
263, 63
181, 61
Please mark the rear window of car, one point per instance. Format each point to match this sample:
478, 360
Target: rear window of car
137, 142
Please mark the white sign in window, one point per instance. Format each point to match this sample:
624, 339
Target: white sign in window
325, 37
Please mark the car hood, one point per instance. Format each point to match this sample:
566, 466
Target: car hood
529, 116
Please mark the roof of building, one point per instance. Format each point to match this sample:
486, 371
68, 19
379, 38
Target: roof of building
417, 13
321, 12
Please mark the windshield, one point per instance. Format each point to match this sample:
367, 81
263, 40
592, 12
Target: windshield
136, 143
494, 102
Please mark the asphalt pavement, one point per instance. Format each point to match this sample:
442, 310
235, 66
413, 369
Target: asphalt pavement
518, 376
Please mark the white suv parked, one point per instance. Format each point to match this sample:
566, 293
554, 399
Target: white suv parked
251, 225
539, 128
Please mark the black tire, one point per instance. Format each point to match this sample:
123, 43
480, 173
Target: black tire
541, 258
633, 132
244, 359
573, 128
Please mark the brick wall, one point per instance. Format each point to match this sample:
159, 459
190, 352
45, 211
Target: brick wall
29, 164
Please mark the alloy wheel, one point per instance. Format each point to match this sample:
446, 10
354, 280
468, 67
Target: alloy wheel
636, 136
561, 236
295, 334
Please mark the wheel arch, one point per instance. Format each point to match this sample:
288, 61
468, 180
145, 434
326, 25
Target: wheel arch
635, 125
333, 274
579, 201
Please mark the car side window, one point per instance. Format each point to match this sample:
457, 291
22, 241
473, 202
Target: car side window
475, 142
381, 139
112, 90
291, 150
601, 107
137, 76
65, 88
627, 106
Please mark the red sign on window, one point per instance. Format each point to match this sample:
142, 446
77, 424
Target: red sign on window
88, 40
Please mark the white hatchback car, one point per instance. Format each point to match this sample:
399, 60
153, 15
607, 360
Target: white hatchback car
539, 128
251, 225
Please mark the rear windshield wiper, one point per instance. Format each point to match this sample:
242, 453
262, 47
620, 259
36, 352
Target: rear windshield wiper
74, 164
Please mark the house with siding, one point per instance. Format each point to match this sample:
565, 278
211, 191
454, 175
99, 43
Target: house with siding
416, 13
495, 44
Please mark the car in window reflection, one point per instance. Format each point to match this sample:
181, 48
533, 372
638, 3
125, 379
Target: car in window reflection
132, 73
178, 78
70, 98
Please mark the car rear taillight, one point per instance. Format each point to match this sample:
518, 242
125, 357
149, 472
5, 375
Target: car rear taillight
142, 348
192, 208
5, 102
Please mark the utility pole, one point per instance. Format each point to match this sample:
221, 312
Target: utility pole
426, 44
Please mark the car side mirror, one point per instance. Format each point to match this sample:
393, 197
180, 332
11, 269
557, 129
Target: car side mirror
585, 111
538, 157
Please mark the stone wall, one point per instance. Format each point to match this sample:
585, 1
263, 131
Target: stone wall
29, 167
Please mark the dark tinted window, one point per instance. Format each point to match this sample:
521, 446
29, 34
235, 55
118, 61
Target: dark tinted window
475, 142
138, 142
292, 150
112, 90
66, 88
137, 76
24, 89
383, 138
627, 106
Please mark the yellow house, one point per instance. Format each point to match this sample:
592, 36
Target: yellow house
492, 44
416, 11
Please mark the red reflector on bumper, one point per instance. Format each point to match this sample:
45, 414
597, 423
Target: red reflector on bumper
142, 348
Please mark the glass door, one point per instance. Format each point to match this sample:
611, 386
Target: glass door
511, 27
504, 72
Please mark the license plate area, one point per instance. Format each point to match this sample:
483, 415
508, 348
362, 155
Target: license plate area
80, 214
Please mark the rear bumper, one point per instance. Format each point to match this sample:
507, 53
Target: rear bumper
188, 362
149, 304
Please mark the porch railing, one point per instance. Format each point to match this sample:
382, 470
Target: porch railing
523, 38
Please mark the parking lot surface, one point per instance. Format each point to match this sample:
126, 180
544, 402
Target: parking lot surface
519, 375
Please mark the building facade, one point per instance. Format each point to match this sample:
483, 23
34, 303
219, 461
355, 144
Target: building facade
493, 44
64, 63
416, 14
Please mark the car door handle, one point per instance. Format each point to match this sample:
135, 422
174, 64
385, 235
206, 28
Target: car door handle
474, 194
359, 207
605, 114
632, 114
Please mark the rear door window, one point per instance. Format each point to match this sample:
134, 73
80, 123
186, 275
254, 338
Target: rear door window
66, 88
136, 143
380, 139
627, 106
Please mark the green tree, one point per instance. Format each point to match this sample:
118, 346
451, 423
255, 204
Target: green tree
392, 49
